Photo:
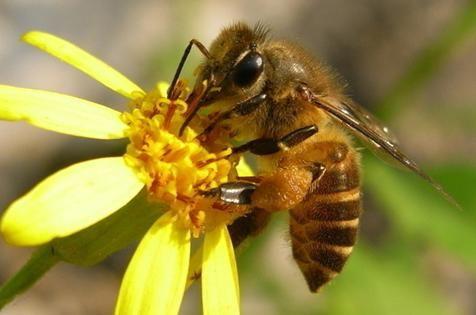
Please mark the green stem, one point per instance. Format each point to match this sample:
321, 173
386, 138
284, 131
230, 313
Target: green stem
40, 262
461, 28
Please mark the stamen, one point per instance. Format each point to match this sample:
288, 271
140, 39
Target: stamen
168, 116
194, 102
196, 97
201, 164
176, 167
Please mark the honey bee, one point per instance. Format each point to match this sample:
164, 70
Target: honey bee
299, 124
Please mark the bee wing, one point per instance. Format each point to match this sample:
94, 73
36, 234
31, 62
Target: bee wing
368, 128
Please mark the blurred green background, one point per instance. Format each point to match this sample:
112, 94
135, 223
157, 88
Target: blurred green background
413, 63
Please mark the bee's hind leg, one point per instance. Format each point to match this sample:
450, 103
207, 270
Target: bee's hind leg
239, 192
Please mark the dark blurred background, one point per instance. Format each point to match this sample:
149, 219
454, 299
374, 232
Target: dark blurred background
411, 62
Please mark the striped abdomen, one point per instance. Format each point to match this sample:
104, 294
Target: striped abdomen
324, 226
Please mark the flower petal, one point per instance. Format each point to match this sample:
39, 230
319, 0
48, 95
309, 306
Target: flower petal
244, 169
220, 288
60, 113
83, 61
154, 282
163, 88
70, 200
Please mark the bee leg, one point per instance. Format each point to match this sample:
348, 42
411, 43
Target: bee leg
241, 109
186, 52
317, 170
253, 179
265, 146
249, 225
238, 193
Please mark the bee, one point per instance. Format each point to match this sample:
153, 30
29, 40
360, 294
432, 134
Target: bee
300, 126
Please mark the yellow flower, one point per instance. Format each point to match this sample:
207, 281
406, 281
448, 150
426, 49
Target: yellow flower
171, 168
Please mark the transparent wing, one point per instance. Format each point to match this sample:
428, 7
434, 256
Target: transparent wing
368, 128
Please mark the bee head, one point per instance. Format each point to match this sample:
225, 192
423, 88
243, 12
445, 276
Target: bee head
236, 65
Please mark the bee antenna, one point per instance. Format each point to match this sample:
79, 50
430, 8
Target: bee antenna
186, 52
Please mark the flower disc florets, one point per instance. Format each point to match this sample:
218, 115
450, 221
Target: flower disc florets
174, 168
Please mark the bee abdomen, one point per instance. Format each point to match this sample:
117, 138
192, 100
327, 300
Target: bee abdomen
323, 227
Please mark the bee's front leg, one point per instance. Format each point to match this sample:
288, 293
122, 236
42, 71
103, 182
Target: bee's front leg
241, 109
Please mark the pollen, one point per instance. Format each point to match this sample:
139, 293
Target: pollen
175, 168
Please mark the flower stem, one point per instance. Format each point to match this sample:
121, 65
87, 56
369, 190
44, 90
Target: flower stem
39, 263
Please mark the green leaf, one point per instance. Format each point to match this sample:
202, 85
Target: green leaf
374, 283
40, 262
420, 212
461, 28
459, 181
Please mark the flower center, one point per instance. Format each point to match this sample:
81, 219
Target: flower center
175, 168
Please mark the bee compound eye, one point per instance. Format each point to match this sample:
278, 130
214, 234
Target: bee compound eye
247, 71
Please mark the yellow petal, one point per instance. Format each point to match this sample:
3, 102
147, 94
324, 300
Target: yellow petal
60, 113
70, 200
220, 289
244, 169
154, 282
83, 61
163, 88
